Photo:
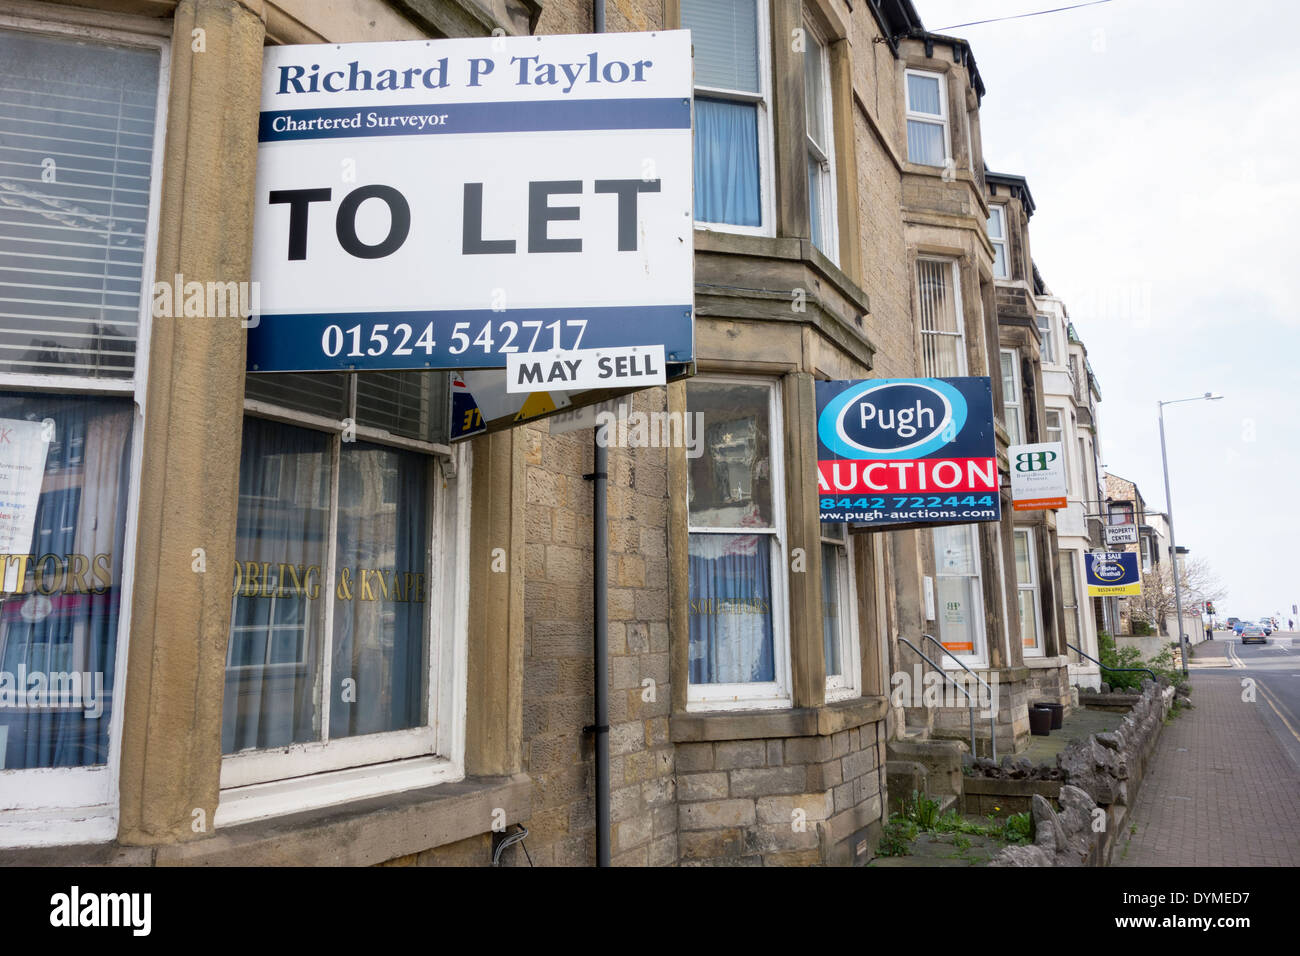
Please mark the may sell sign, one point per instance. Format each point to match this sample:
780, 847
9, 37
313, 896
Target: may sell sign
1112, 573
914, 450
452, 203
1037, 476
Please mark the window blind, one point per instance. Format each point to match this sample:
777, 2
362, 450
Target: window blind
76, 147
725, 36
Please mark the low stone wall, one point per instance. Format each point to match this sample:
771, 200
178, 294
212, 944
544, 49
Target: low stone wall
987, 797
1103, 774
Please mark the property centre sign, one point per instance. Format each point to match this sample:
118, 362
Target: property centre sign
1112, 573
914, 450
1037, 476
452, 203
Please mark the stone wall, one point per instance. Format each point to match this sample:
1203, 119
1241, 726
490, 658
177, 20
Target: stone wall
795, 801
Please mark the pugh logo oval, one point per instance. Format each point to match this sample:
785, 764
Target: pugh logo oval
892, 418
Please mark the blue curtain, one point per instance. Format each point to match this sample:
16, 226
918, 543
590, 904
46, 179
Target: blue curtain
64, 626
730, 609
273, 666
726, 163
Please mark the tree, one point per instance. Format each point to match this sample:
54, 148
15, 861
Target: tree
1156, 603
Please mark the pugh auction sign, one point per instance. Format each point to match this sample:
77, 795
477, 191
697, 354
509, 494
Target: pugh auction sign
451, 203
907, 450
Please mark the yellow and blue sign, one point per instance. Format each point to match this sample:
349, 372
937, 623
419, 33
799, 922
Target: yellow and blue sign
1112, 573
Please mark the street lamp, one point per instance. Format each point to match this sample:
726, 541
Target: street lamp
1169, 510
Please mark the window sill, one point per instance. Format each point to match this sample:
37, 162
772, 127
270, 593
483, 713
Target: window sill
1059, 660
365, 832
796, 722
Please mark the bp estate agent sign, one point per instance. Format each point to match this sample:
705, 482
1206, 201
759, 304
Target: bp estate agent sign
915, 450
1037, 476
454, 203
1112, 573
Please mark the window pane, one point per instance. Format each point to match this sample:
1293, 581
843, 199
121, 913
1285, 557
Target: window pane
277, 628
726, 163
923, 94
958, 629
731, 483
995, 223
940, 335
1028, 618
382, 591
319, 393
75, 167
1009, 391
1024, 570
64, 475
953, 550
730, 609
814, 89
1000, 260
724, 34
925, 143
410, 404
833, 614
1048, 342
815, 178
1054, 432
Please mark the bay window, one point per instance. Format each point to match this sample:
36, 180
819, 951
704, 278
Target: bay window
345, 602
1031, 614
927, 119
819, 144
739, 642
733, 131
80, 165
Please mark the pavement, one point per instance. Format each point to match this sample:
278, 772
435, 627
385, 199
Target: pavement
1223, 787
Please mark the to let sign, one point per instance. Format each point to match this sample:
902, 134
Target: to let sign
907, 450
453, 203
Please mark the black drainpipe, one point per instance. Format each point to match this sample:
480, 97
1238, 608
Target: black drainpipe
600, 588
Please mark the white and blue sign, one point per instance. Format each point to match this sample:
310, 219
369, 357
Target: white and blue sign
450, 203
907, 450
1112, 573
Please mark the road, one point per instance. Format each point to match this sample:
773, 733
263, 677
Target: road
1275, 670
1223, 786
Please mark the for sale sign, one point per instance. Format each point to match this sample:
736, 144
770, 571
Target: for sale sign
1112, 573
453, 203
1037, 476
907, 450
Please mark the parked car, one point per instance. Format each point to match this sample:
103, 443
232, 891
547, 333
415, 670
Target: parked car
1268, 625
1253, 634
1236, 627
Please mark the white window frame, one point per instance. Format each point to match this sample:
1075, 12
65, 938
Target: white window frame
825, 202
774, 694
960, 335
1147, 550
65, 805
762, 100
1008, 406
284, 779
1033, 585
979, 654
929, 118
998, 211
1047, 332
847, 684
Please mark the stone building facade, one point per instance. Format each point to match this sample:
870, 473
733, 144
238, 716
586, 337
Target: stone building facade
751, 648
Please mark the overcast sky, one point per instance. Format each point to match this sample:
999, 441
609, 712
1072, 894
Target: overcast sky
1160, 140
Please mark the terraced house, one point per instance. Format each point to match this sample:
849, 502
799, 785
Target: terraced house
334, 635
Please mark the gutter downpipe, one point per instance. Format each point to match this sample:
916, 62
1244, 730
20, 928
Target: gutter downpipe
600, 600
